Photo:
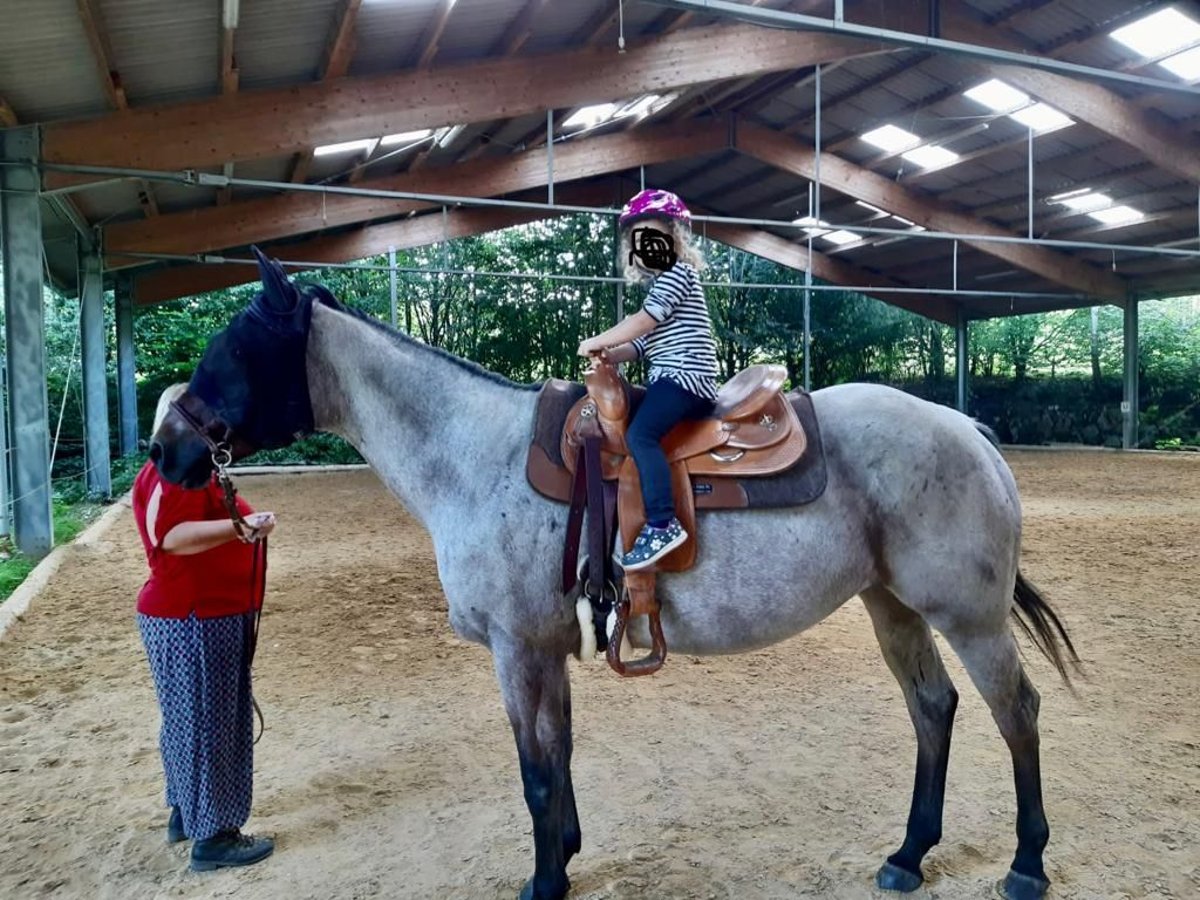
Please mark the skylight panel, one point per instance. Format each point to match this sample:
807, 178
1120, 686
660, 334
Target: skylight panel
1159, 33
874, 209
913, 225
641, 107
590, 116
1041, 117
405, 137
1186, 64
600, 113
1087, 201
998, 96
1117, 215
891, 139
363, 144
841, 238
814, 228
931, 157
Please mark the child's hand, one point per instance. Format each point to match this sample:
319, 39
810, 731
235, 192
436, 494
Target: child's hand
590, 347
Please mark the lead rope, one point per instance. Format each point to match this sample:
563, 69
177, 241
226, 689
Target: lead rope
222, 456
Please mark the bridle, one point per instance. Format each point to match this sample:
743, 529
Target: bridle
221, 441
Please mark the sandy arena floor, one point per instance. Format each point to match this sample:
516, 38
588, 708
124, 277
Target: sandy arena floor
388, 769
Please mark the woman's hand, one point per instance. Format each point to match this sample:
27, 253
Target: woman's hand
262, 523
591, 347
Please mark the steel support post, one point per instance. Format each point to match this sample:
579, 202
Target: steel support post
126, 369
21, 246
95, 381
1129, 406
962, 360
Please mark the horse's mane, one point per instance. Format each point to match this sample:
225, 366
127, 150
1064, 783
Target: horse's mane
319, 294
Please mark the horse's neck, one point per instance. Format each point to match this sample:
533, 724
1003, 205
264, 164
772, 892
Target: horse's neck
434, 431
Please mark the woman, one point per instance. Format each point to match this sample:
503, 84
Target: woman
673, 332
196, 614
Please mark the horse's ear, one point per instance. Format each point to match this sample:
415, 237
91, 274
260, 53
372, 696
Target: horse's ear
278, 291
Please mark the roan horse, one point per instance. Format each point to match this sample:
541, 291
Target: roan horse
920, 518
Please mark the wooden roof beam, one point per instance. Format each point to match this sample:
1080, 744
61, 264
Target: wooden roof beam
266, 123
793, 156
160, 285
272, 218
836, 271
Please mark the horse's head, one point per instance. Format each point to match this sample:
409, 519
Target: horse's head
250, 391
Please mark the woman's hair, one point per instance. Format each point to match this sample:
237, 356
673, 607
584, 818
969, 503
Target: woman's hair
164, 403
685, 248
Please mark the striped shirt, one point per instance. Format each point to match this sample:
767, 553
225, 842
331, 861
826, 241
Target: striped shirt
681, 347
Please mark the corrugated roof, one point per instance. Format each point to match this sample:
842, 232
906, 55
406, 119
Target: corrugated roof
168, 50
46, 67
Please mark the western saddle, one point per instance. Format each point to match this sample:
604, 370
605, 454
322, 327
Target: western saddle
754, 432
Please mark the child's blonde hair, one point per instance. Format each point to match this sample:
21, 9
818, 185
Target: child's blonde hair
685, 248
174, 392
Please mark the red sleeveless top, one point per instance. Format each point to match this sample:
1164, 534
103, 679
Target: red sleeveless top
214, 583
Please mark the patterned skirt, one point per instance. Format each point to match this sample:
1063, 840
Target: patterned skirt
201, 670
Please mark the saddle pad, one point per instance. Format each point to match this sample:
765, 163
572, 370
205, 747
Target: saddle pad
802, 483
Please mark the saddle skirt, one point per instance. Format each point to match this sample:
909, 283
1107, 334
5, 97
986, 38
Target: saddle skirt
761, 449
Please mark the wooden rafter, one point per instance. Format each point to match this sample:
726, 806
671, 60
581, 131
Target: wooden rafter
264, 123
110, 81
795, 255
229, 80
159, 285
273, 218
167, 284
520, 29
1163, 144
93, 27
229, 70
431, 40
514, 38
338, 54
791, 155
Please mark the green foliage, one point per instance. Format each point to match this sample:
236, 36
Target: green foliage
1042, 377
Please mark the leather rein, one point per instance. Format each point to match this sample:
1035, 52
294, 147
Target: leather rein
219, 437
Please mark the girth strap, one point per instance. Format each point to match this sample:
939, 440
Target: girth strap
590, 493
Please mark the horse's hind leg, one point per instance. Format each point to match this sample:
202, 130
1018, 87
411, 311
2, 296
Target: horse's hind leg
908, 648
995, 667
534, 685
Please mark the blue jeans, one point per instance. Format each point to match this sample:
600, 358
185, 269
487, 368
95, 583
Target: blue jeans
665, 405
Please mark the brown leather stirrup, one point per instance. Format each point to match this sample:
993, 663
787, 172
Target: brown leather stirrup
639, 599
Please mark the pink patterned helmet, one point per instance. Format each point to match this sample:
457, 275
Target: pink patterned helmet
655, 204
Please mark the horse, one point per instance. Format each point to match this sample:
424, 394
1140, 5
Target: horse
920, 518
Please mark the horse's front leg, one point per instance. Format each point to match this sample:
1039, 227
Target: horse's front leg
535, 689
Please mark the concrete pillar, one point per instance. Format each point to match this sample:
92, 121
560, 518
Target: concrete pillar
95, 376
5, 488
126, 366
21, 246
1129, 406
962, 360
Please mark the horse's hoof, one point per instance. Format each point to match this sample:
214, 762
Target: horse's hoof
891, 877
1023, 887
527, 892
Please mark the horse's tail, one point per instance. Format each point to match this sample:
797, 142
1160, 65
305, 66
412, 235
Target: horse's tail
1039, 621
1033, 612
992, 437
